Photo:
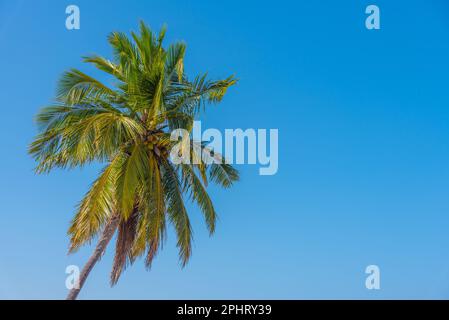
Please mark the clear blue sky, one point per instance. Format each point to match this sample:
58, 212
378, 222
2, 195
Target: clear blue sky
363, 119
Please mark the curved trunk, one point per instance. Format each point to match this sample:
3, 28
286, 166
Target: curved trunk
106, 236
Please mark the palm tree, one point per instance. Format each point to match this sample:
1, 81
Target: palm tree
127, 126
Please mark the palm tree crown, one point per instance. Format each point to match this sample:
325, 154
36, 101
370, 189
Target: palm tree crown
127, 126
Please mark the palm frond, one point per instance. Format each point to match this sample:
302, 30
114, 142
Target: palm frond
74, 86
131, 175
223, 174
127, 231
200, 196
96, 207
177, 212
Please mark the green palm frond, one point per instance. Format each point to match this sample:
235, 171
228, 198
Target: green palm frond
199, 194
105, 65
75, 86
177, 212
223, 174
174, 64
96, 207
75, 135
131, 175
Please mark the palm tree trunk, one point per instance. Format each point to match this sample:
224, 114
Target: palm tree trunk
106, 236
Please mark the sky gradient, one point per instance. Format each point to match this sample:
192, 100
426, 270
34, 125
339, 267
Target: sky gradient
363, 119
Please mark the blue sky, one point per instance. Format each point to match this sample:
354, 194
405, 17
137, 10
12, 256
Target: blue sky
363, 149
